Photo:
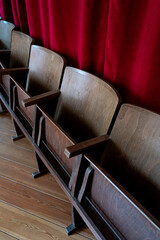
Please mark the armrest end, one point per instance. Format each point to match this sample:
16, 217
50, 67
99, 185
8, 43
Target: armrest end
5, 52
9, 71
85, 146
40, 98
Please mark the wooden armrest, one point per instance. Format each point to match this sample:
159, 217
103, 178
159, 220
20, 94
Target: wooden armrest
9, 71
85, 146
5, 52
40, 98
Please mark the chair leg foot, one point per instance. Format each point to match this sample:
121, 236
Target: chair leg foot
38, 173
15, 138
70, 229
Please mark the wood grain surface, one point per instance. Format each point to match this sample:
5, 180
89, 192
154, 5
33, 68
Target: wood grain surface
30, 208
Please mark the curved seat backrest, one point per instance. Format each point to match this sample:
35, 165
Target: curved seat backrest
45, 73
132, 156
20, 49
86, 105
5, 34
45, 70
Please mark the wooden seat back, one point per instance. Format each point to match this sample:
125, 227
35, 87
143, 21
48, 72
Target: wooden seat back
79, 115
125, 187
45, 72
20, 49
5, 34
86, 105
132, 156
19, 57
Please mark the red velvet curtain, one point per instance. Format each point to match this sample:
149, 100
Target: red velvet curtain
118, 40
6, 10
20, 15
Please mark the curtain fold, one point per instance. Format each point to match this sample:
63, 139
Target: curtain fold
118, 40
19, 15
6, 10
132, 51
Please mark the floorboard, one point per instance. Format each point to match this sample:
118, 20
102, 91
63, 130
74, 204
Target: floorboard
25, 226
6, 236
23, 175
29, 208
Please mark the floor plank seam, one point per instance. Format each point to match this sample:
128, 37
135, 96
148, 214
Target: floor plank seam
16, 146
37, 190
11, 130
22, 164
9, 234
44, 219
10, 178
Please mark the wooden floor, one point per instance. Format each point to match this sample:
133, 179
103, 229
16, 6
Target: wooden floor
29, 208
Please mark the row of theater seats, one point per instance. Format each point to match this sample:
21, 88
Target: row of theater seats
106, 157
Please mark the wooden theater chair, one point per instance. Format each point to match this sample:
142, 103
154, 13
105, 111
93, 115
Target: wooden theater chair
43, 81
120, 197
5, 34
85, 109
15, 63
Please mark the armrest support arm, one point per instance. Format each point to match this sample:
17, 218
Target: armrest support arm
85, 146
5, 52
9, 71
40, 98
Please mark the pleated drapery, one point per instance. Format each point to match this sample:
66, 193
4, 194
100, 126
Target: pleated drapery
118, 40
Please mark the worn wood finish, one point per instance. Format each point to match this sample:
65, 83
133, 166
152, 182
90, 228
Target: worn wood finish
125, 188
41, 98
54, 137
27, 226
19, 58
25, 222
76, 90
89, 114
38, 203
5, 236
46, 67
6, 121
20, 49
136, 157
45, 71
5, 34
9, 151
85, 146
117, 206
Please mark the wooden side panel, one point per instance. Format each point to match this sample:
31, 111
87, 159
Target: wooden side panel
123, 211
86, 105
20, 49
58, 141
5, 80
45, 70
5, 34
29, 111
133, 155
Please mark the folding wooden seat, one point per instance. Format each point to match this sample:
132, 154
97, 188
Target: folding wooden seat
15, 63
120, 197
5, 34
85, 109
44, 79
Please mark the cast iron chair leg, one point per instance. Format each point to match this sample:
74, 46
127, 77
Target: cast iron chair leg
77, 222
41, 168
19, 133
